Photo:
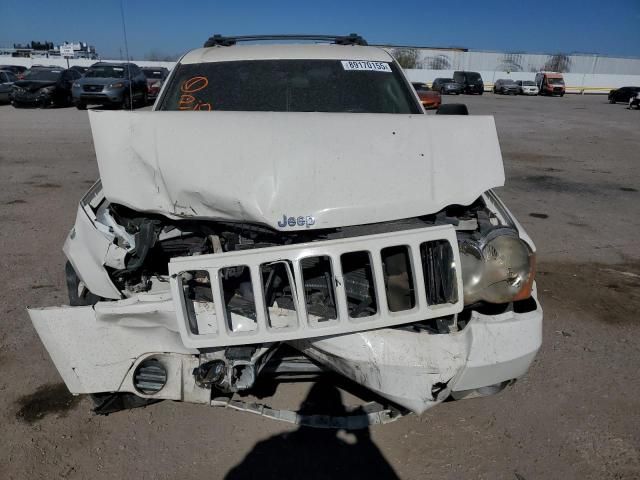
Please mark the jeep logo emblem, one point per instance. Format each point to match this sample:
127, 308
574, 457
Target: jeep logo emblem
301, 221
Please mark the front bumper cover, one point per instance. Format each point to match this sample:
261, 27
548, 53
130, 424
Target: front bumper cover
97, 349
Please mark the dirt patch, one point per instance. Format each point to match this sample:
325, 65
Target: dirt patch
15, 202
47, 399
551, 183
610, 293
628, 189
529, 157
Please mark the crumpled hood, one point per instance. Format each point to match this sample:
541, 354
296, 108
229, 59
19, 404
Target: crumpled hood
34, 85
293, 171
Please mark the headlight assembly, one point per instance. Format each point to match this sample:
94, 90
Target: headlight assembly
498, 268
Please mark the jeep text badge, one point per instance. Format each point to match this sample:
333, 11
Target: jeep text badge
307, 221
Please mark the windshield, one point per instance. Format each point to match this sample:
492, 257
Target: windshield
106, 71
555, 81
473, 77
41, 74
529, 83
507, 82
152, 74
290, 86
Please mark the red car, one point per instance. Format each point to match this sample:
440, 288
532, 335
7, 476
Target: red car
155, 78
429, 98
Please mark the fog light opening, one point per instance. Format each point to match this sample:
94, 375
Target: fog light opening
150, 377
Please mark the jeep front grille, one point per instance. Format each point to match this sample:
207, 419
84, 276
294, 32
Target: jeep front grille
315, 289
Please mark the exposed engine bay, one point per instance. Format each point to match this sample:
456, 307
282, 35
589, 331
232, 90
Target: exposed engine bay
148, 243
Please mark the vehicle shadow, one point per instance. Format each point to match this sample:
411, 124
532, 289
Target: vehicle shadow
320, 453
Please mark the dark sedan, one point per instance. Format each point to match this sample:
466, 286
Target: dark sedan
506, 86
446, 86
623, 94
44, 87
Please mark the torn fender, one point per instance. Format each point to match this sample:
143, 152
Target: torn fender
93, 348
418, 369
292, 170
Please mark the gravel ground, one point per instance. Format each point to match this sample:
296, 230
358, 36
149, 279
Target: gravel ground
572, 180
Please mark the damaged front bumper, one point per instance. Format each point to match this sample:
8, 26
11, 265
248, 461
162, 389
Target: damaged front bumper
101, 348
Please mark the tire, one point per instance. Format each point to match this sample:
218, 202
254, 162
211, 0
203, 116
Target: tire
76, 299
81, 106
480, 93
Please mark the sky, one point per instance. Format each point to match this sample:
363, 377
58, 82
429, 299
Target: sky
164, 27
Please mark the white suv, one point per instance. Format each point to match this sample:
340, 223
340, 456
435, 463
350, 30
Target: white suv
293, 197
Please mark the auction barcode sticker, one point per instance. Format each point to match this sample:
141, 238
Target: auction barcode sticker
366, 65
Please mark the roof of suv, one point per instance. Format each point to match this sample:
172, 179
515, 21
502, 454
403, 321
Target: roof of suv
286, 52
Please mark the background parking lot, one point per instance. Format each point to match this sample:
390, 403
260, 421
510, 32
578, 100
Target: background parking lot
573, 181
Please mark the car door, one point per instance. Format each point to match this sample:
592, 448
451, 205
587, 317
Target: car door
5, 85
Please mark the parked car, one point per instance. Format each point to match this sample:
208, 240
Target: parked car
18, 70
7, 78
446, 86
506, 86
283, 214
429, 98
471, 82
550, 83
527, 87
44, 87
623, 94
79, 69
635, 101
155, 78
119, 84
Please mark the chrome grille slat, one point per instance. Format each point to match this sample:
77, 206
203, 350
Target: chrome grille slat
333, 249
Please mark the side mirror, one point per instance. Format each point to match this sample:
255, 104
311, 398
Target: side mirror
452, 109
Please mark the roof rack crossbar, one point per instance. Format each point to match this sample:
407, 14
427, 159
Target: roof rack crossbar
222, 41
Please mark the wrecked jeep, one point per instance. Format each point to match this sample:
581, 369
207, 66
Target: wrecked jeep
293, 198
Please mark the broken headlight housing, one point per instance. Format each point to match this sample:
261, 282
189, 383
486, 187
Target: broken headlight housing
497, 268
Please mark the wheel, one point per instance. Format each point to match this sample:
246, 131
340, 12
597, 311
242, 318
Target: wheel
562, 94
81, 106
481, 92
611, 100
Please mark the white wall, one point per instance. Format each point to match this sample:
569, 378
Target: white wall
524, 62
575, 82
61, 62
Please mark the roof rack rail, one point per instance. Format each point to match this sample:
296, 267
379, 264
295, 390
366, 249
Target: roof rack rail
222, 41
